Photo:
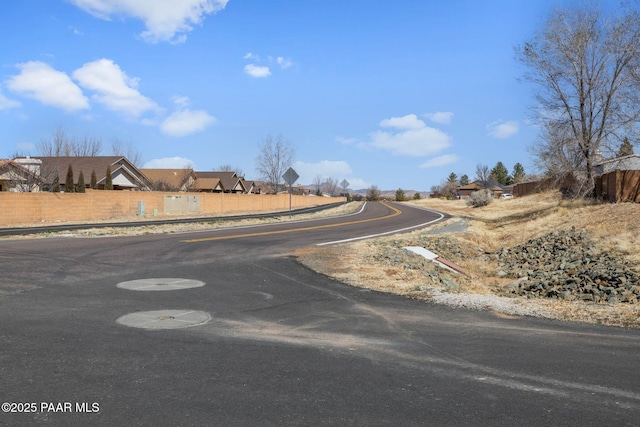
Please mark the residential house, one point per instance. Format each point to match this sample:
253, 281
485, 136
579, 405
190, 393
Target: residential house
124, 175
20, 177
261, 187
466, 190
630, 162
230, 182
170, 179
207, 185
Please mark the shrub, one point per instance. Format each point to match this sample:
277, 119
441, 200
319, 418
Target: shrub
80, 186
480, 198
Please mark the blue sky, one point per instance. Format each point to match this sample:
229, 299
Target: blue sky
392, 94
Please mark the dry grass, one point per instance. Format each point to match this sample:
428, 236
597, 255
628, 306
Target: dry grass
615, 228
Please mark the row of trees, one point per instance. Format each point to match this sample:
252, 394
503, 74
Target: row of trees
60, 144
71, 186
487, 177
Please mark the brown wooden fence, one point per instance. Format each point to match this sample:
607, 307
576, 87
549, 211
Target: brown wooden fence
615, 187
526, 188
619, 186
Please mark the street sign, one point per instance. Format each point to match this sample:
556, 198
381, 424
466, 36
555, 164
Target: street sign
290, 176
344, 184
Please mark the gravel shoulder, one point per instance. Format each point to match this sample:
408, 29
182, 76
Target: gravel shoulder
474, 239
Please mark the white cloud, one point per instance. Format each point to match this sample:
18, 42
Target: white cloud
409, 121
435, 162
500, 129
251, 56
186, 122
114, 88
257, 70
165, 20
413, 138
284, 63
443, 117
181, 101
41, 82
337, 169
358, 184
6, 103
169, 163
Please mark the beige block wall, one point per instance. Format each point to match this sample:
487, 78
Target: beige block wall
52, 208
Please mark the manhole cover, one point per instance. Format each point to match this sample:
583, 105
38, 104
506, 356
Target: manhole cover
162, 284
164, 319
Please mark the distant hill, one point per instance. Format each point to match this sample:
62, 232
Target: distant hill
386, 194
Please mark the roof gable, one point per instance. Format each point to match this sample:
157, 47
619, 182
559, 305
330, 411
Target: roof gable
119, 166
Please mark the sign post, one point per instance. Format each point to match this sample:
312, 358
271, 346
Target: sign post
290, 176
345, 184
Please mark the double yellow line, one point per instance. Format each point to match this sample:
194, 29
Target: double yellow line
396, 212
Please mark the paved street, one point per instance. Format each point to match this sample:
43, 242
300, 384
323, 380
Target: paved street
225, 328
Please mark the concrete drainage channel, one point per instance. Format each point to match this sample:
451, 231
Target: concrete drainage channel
163, 319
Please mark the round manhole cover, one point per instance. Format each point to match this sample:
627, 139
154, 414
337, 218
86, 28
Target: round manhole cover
160, 284
164, 319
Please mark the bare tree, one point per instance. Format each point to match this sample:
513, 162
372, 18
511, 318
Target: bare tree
586, 69
330, 186
126, 149
448, 188
317, 182
62, 145
482, 172
85, 147
20, 178
56, 146
228, 168
373, 193
274, 158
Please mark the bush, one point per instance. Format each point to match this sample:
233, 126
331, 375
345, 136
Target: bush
480, 198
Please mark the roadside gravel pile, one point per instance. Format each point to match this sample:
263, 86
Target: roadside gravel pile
567, 265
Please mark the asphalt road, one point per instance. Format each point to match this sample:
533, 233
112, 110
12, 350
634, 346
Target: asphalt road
283, 345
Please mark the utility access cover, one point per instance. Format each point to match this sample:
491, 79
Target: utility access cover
164, 319
160, 284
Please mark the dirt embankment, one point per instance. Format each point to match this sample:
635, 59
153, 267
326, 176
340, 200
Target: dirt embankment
567, 286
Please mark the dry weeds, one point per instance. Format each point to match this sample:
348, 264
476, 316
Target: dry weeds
378, 263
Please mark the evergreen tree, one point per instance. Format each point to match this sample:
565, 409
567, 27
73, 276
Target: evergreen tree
94, 180
400, 196
108, 182
626, 149
518, 173
464, 180
80, 185
453, 178
69, 186
500, 174
416, 196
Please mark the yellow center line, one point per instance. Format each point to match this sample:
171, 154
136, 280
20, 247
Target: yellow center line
396, 212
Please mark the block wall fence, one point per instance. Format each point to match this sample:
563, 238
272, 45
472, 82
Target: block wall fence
98, 205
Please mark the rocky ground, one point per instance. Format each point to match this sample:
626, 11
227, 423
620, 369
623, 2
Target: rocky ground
568, 265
